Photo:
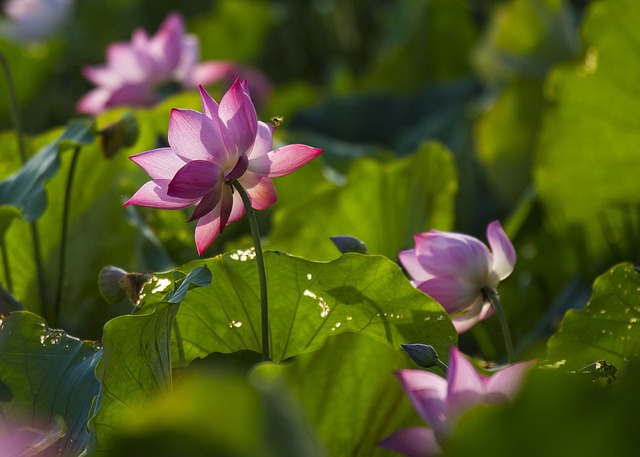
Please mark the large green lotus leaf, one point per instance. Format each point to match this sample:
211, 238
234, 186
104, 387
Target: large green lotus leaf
505, 137
382, 204
587, 157
349, 392
219, 413
46, 374
136, 361
607, 328
308, 303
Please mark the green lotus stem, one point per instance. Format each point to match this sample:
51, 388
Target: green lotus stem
15, 109
493, 297
440, 364
65, 236
262, 275
17, 122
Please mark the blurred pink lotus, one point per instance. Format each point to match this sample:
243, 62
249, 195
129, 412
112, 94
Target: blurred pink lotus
33, 20
136, 71
440, 402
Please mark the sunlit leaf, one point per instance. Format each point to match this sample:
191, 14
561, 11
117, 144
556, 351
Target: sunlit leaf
308, 302
136, 363
46, 374
607, 328
587, 154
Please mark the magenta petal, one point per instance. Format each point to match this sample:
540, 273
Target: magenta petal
261, 190
413, 442
263, 142
132, 64
504, 254
94, 101
453, 254
195, 179
210, 72
478, 311
194, 136
102, 76
455, 295
207, 203
166, 45
410, 263
154, 194
209, 227
507, 382
134, 94
239, 169
466, 387
238, 115
226, 205
160, 163
284, 160
427, 393
209, 105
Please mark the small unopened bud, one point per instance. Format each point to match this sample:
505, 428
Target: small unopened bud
346, 243
116, 284
422, 354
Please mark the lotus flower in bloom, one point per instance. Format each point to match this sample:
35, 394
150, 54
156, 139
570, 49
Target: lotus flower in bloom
457, 270
135, 71
207, 152
440, 402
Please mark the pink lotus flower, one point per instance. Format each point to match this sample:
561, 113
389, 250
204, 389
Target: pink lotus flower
135, 71
456, 270
440, 402
207, 152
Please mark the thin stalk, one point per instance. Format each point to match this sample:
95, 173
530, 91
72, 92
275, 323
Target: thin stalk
440, 364
65, 236
15, 109
492, 296
17, 122
262, 275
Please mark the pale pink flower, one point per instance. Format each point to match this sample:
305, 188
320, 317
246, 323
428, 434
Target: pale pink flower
440, 402
456, 270
33, 20
135, 71
207, 152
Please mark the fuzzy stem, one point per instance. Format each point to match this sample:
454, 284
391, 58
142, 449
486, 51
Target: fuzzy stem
440, 364
65, 236
262, 275
493, 297
35, 237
